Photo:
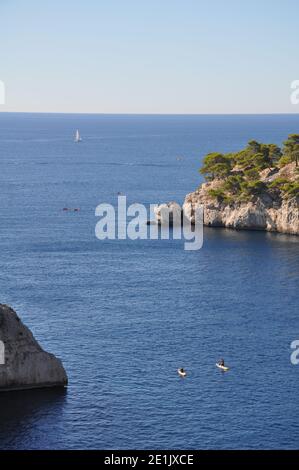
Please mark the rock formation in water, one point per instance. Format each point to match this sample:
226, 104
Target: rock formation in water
270, 209
256, 188
171, 212
23, 363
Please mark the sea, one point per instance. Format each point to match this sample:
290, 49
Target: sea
124, 315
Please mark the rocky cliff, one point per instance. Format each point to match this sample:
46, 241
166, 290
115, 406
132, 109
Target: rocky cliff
23, 363
269, 210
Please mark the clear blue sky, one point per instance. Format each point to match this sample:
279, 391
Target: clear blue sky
149, 56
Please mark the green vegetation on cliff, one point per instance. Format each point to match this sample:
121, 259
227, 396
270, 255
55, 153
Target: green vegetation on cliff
254, 170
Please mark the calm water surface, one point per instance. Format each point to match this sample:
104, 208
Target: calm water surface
124, 315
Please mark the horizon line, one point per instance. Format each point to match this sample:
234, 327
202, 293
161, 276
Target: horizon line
150, 114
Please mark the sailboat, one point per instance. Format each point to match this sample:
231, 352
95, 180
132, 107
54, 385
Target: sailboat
77, 136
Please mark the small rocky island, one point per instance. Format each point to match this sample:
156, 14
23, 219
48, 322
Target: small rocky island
256, 188
23, 363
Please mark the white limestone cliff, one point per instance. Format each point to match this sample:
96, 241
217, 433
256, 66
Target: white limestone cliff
24, 363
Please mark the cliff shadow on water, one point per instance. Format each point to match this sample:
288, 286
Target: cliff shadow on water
22, 412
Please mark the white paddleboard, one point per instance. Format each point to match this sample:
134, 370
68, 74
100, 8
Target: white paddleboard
224, 368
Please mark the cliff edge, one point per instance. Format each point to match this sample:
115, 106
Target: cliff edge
254, 189
23, 363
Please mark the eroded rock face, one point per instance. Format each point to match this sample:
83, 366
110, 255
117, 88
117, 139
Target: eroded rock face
26, 364
171, 211
263, 213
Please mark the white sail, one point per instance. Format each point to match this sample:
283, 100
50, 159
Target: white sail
77, 136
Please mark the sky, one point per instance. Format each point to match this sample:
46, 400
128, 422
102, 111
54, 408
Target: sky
149, 56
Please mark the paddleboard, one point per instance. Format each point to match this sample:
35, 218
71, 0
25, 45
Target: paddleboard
224, 368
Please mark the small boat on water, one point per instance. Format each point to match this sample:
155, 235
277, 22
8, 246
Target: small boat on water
182, 372
220, 366
76, 209
77, 136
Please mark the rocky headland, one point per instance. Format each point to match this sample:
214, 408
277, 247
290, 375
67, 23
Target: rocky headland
254, 189
23, 363
268, 210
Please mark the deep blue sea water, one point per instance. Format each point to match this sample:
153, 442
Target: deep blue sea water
124, 315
